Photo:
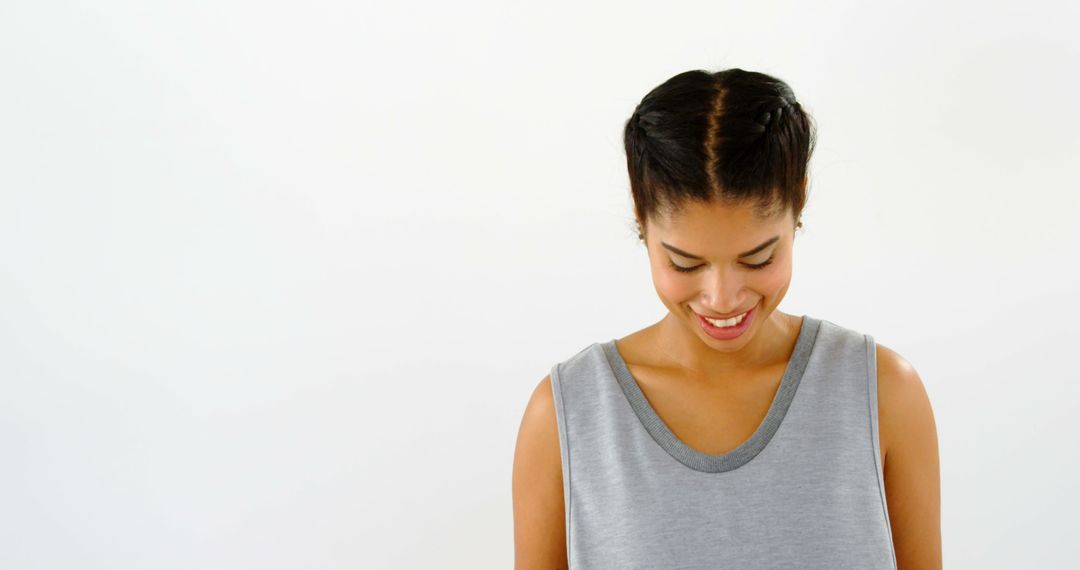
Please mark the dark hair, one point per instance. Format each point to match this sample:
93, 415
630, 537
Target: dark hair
732, 135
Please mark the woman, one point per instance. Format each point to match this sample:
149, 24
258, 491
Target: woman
729, 434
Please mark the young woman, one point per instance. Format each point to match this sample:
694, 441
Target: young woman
729, 434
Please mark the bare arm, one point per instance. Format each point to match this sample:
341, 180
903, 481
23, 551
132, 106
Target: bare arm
911, 465
539, 513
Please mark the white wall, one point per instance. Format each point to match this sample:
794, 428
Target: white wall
278, 278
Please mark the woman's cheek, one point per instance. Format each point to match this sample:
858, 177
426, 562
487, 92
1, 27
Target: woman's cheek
671, 284
776, 276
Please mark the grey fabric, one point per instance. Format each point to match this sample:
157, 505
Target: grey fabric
805, 491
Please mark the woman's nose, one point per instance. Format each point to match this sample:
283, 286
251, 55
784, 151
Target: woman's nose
723, 294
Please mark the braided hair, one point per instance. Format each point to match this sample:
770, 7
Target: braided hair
734, 135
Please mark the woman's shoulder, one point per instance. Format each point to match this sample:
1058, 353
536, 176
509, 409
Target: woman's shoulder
903, 402
893, 368
905, 414
579, 366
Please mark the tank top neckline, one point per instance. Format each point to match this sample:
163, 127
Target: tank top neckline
718, 462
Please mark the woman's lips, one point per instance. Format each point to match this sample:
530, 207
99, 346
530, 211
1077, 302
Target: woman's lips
727, 333
733, 315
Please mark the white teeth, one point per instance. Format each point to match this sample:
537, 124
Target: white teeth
728, 322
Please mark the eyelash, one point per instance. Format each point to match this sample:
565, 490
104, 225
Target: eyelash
696, 267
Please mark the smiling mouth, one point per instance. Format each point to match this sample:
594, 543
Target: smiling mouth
726, 318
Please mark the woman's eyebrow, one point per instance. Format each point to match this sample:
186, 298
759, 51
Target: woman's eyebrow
763, 245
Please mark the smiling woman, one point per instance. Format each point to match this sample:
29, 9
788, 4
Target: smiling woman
729, 433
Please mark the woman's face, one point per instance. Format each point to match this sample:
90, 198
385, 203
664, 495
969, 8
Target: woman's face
735, 261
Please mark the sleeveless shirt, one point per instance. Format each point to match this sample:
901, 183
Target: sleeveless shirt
805, 491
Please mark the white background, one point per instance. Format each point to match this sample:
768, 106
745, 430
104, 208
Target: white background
278, 278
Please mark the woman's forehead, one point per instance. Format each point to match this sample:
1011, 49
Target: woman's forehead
716, 212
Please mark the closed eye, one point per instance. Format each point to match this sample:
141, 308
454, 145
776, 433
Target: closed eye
751, 266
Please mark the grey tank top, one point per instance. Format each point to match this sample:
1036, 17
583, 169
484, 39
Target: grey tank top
805, 491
